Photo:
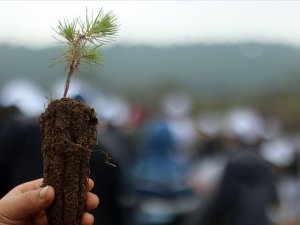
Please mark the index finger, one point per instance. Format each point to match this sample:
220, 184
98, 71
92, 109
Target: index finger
36, 184
25, 187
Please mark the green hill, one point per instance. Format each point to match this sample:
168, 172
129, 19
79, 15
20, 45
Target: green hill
206, 71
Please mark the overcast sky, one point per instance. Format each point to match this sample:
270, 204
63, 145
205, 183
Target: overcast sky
29, 23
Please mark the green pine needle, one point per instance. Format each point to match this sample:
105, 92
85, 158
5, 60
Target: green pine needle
84, 39
93, 56
67, 30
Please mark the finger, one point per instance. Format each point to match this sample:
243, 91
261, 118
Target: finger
92, 201
29, 203
87, 219
25, 187
90, 185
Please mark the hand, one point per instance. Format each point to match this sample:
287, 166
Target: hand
26, 204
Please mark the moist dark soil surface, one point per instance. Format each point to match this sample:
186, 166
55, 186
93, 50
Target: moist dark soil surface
68, 136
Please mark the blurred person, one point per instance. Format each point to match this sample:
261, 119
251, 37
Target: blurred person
176, 108
247, 188
113, 109
20, 153
19, 138
243, 127
208, 161
158, 179
156, 159
26, 204
113, 113
8, 114
280, 153
21, 102
120, 138
114, 140
209, 134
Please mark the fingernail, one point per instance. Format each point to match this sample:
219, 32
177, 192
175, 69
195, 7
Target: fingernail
43, 192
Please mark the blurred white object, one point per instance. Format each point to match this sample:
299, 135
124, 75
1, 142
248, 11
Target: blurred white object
244, 124
24, 94
209, 123
288, 188
59, 87
176, 105
183, 131
78, 87
112, 109
206, 174
280, 151
272, 128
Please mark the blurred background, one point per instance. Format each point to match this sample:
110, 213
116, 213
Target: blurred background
198, 103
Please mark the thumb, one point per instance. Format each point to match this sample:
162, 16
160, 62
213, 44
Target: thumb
24, 205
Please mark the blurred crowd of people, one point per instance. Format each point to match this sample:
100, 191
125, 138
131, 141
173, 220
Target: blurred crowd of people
172, 168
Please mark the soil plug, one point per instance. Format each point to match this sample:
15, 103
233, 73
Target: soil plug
69, 127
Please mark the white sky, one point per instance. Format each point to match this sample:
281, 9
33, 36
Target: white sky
29, 23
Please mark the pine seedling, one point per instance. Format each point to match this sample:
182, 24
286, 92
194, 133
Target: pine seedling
83, 39
69, 127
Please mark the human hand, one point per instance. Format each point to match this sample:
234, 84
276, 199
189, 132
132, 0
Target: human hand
26, 204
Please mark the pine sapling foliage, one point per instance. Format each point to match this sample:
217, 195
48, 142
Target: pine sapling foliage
84, 39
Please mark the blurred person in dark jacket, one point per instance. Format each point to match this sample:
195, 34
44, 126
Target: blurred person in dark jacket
244, 194
247, 188
158, 179
281, 153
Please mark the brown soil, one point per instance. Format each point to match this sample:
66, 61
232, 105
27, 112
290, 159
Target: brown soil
69, 134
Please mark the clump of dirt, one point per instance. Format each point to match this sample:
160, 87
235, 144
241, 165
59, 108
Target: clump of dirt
68, 136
